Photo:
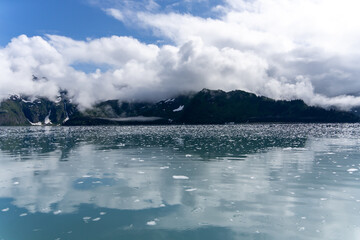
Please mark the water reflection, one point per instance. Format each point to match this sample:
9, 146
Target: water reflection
246, 181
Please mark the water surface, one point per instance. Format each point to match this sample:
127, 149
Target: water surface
180, 182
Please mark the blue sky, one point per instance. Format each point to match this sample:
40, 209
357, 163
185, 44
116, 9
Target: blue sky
154, 49
81, 19
73, 18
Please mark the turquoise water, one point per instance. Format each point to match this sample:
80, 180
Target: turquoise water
180, 182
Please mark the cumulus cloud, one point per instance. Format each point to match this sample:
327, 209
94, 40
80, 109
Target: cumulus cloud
281, 49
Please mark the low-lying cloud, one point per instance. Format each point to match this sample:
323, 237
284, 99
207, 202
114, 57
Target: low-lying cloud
280, 49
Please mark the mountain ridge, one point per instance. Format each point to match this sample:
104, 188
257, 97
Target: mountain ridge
203, 107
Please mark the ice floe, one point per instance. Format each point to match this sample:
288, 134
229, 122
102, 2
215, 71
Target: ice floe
180, 177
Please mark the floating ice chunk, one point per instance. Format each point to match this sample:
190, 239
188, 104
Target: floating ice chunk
23, 214
86, 176
151, 223
164, 167
353, 170
102, 213
180, 108
141, 172
323, 199
96, 219
57, 212
5, 209
162, 205
188, 155
191, 189
16, 183
86, 218
180, 177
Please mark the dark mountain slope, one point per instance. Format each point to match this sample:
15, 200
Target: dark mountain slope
204, 107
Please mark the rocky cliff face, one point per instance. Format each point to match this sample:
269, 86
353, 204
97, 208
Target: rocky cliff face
20, 110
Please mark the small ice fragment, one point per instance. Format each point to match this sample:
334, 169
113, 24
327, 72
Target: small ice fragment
162, 205
96, 219
136, 200
5, 209
353, 170
86, 218
188, 155
179, 177
57, 212
164, 167
141, 172
323, 199
80, 182
23, 214
86, 176
151, 223
16, 183
102, 213
191, 190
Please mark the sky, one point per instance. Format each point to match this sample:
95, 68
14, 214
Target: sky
149, 50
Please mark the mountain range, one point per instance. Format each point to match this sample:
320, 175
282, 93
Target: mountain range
204, 107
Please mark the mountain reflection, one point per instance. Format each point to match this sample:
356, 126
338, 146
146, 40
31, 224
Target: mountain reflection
236, 174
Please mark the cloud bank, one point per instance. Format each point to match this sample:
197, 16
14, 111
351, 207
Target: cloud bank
286, 49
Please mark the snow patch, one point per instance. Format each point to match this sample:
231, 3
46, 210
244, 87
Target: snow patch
169, 100
47, 119
180, 108
35, 124
66, 119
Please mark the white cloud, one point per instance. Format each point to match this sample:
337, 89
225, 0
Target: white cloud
115, 13
280, 49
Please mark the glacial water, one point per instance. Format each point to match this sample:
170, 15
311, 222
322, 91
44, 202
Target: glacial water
256, 181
